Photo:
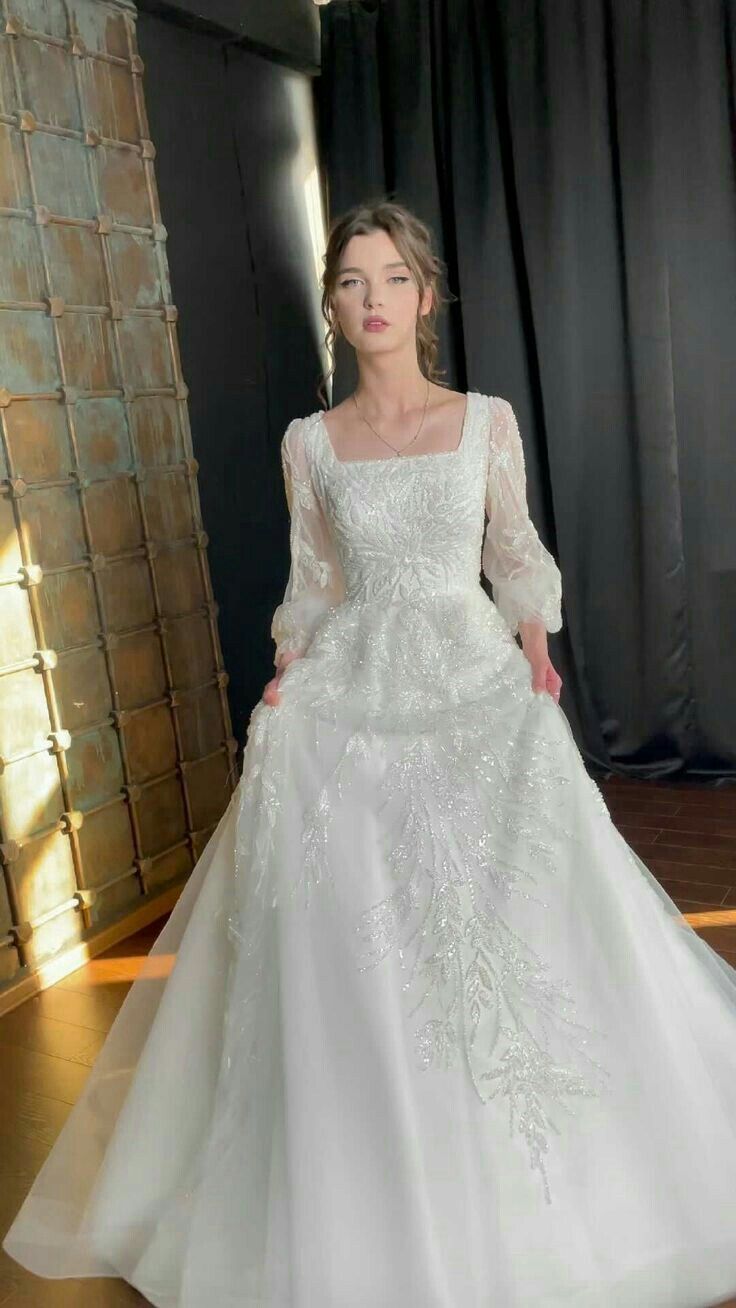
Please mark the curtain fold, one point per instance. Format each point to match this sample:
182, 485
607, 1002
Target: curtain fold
576, 162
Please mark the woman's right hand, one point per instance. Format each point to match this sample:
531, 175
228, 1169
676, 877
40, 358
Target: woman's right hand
271, 695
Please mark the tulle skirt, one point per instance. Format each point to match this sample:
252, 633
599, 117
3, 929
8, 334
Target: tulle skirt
421, 1031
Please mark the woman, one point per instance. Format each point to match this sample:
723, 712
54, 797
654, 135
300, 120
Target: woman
435, 1036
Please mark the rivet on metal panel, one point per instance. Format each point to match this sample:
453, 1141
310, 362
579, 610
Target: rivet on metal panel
83, 483
148, 149
222, 680
159, 232
69, 394
183, 767
59, 741
108, 640
45, 659
72, 820
6, 398
201, 540
190, 466
121, 717
30, 575
97, 562
132, 794
92, 138
55, 305
42, 215
9, 852
85, 898
18, 487
116, 309
78, 47
26, 121
137, 66
104, 224
22, 931
13, 26
170, 313
144, 865
174, 698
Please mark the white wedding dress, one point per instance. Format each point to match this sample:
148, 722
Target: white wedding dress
422, 1031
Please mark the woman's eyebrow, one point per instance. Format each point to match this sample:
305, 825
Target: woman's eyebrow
398, 263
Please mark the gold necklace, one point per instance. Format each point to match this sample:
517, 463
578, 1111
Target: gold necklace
381, 438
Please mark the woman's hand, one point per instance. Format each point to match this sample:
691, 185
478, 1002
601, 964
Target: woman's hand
546, 677
534, 644
271, 694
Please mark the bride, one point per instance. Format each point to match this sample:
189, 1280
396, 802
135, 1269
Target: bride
422, 1031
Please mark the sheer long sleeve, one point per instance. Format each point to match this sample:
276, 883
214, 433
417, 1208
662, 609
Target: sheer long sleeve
526, 581
315, 579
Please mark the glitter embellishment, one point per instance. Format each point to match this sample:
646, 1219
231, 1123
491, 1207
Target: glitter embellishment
412, 677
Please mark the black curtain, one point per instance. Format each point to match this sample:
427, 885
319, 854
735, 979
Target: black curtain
576, 162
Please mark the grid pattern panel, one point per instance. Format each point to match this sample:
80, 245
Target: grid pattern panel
116, 749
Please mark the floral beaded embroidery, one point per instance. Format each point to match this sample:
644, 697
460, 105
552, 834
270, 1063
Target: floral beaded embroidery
406, 655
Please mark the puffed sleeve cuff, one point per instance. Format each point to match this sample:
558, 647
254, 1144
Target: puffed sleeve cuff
294, 622
537, 598
526, 581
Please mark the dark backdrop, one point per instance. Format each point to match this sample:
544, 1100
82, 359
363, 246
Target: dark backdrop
575, 159
226, 142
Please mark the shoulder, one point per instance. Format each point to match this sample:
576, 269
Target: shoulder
503, 427
496, 405
298, 433
297, 446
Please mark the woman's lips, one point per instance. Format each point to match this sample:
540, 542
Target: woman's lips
375, 326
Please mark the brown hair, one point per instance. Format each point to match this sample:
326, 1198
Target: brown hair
413, 240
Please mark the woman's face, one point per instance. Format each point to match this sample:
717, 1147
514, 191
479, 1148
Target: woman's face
373, 280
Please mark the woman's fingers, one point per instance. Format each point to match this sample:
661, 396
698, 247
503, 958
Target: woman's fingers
271, 693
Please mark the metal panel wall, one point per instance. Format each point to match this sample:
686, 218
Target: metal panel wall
116, 751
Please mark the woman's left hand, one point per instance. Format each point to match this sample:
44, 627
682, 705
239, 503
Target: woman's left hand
545, 676
534, 644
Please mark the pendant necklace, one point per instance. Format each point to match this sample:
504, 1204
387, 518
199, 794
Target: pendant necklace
381, 438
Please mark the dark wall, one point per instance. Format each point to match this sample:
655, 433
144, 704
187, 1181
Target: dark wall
232, 140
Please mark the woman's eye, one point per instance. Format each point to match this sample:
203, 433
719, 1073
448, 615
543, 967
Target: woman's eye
396, 277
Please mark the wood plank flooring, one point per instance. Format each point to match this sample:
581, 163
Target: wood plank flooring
685, 833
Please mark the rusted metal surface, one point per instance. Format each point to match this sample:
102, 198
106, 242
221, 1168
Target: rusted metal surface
116, 750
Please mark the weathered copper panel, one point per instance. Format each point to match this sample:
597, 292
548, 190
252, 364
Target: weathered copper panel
38, 440
151, 743
67, 609
209, 785
126, 594
31, 796
115, 742
200, 723
163, 820
106, 843
95, 768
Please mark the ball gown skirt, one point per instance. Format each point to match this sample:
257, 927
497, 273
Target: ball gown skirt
422, 1031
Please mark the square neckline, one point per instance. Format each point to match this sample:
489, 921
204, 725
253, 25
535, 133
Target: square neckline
399, 458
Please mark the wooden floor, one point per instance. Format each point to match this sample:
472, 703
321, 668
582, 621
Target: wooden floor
685, 834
